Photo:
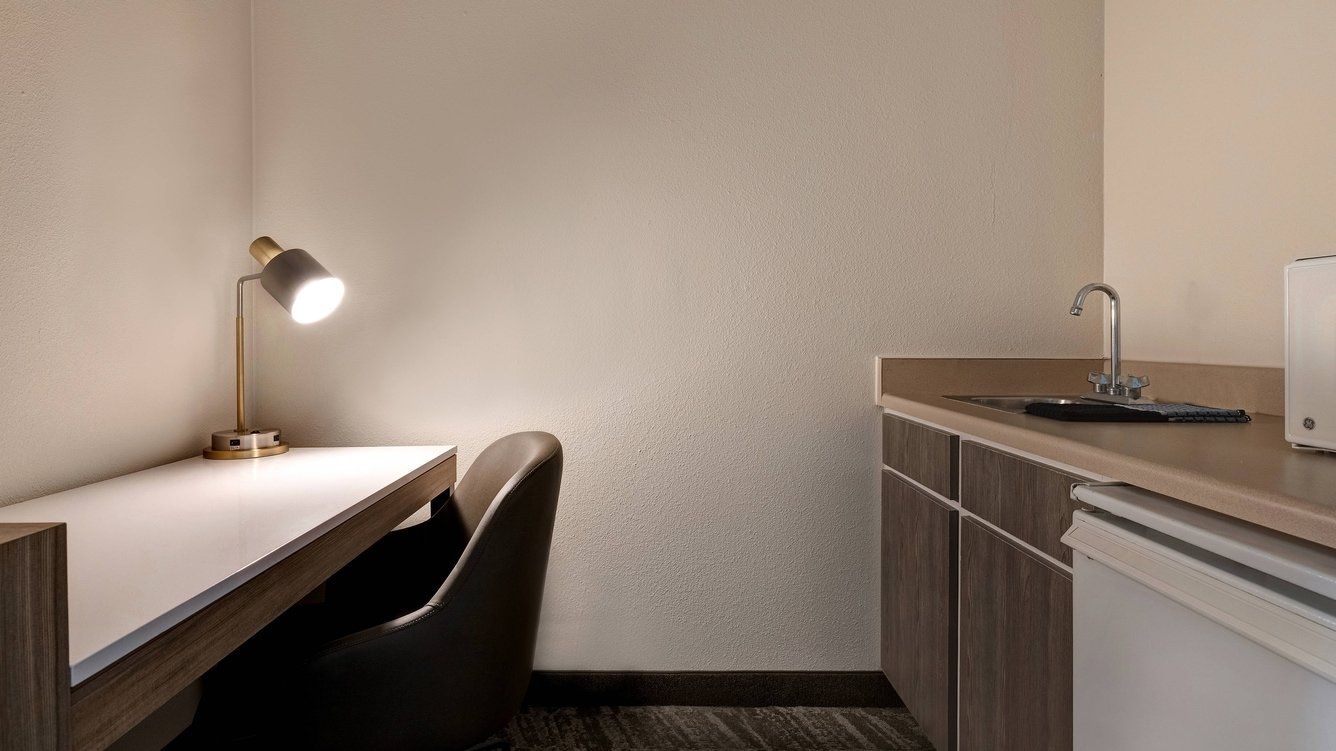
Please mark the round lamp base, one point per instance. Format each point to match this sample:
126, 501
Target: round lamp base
252, 444
245, 453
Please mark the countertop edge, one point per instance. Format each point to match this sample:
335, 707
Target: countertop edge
1282, 513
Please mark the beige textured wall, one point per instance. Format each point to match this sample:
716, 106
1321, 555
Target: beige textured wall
675, 234
124, 210
1219, 168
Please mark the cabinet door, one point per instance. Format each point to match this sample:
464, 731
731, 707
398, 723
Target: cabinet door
1015, 646
924, 454
918, 597
1025, 499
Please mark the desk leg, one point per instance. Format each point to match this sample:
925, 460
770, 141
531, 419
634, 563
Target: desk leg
34, 638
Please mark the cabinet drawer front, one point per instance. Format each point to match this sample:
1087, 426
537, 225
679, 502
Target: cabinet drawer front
1015, 646
918, 604
1026, 499
926, 455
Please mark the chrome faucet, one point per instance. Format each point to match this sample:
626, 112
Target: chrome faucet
1111, 386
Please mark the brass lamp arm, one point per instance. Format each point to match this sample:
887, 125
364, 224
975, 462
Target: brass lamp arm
241, 351
241, 286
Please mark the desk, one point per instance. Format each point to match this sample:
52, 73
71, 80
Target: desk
117, 595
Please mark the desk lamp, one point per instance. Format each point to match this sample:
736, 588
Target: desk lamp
309, 293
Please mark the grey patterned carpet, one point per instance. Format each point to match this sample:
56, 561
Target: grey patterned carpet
713, 729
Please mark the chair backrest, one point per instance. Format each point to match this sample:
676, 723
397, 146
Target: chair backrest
506, 504
501, 467
492, 597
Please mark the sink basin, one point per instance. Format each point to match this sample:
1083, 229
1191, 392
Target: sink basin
1015, 404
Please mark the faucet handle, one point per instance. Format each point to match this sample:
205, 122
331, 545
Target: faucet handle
1135, 384
1138, 382
1101, 382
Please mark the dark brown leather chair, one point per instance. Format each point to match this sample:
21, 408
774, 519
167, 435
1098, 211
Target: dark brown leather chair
422, 664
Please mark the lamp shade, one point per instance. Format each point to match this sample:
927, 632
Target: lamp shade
301, 285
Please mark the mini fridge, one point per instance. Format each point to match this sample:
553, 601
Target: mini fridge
1196, 632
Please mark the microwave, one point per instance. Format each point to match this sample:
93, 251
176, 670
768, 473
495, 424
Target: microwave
1310, 353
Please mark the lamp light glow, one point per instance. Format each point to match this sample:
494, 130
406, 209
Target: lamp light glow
317, 299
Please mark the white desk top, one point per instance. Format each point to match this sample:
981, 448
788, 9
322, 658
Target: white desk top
149, 549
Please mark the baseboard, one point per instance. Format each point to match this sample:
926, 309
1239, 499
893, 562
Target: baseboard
580, 688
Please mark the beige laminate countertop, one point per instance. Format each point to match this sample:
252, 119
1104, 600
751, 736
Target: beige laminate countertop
1247, 471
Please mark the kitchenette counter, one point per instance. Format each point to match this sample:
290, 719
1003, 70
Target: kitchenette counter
1246, 471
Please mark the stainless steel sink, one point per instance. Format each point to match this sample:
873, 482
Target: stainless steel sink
1015, 404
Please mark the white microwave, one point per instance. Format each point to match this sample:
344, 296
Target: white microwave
1310, 353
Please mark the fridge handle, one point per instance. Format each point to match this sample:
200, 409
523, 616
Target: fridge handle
1075, 495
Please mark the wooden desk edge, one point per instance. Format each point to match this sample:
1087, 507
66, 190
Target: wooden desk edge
102, 708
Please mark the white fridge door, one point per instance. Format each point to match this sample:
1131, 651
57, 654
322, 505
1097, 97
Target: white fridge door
1180, 649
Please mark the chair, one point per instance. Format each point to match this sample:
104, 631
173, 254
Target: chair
438, 621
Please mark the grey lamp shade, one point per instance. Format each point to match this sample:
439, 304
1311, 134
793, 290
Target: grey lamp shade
301, 285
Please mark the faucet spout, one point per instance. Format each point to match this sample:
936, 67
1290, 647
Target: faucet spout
1115, 326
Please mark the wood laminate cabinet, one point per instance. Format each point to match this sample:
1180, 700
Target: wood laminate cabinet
924, 454
1027, 500
1015, 646
918, 597
976, 594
